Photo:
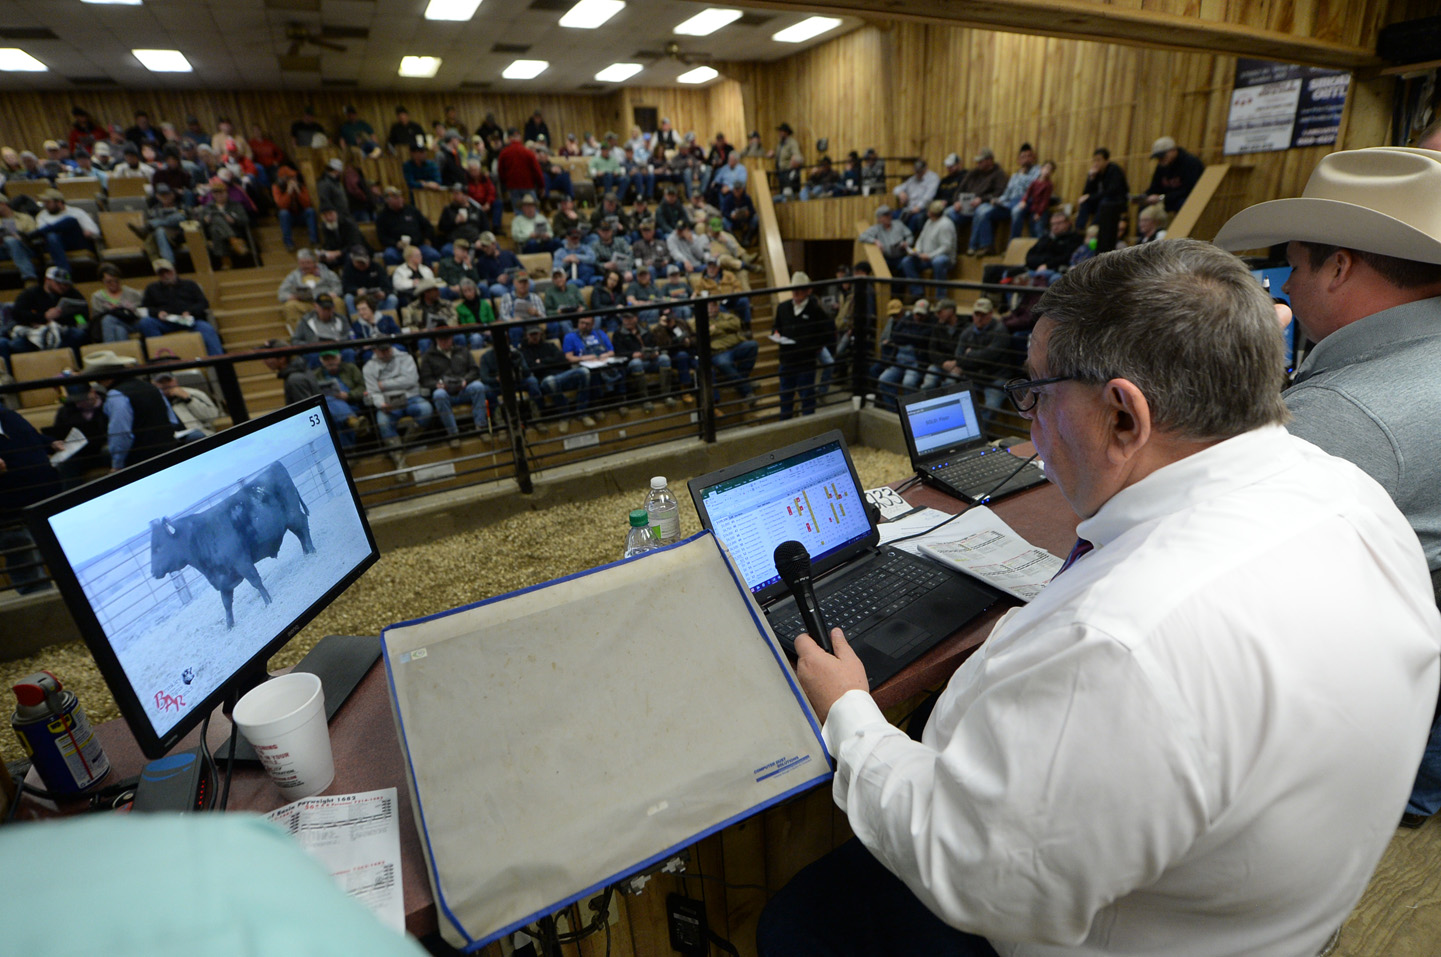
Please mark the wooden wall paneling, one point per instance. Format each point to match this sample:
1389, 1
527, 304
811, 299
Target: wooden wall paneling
649, 930
743, 848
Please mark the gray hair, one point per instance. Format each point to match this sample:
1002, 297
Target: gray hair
304, 255
1184, 322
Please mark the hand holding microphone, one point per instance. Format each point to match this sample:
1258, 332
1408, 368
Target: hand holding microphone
793, 563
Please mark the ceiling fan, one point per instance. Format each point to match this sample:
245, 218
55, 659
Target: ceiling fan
299, 35
673, 51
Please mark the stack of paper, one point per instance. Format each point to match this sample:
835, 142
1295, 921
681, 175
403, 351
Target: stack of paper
978, 543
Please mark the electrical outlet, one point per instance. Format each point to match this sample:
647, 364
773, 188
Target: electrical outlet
686, 918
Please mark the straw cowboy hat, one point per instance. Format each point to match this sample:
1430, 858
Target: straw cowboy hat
105, 360
1378, 200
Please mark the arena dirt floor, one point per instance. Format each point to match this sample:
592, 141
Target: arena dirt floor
1399, 916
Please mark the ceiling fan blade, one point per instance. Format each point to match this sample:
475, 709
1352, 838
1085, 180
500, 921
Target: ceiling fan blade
328, 44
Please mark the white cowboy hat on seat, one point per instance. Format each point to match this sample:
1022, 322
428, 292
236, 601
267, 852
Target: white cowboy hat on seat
1381, 200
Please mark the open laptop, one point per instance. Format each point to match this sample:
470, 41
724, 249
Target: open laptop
943, 435
893, 606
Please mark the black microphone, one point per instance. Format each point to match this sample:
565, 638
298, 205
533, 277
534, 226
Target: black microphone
794, 564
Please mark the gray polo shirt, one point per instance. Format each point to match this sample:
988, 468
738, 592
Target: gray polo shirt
1370, 393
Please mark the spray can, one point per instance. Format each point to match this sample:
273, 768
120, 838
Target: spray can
57, 736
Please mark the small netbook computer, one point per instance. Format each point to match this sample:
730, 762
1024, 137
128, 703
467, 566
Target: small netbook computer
893, 606
943, 435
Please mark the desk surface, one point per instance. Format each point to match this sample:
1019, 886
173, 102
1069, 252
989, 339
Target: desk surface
367, 752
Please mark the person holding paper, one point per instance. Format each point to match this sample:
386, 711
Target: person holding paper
1154, 755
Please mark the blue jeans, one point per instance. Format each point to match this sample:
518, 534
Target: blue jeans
961, 220
848, 905
903, 375
340, 410
644, 184
61, 236
734, 365
639, 367
150, 326
935, 375
287, 218
530, 384
559, 183
541, 245
827, 364
428, 255
416, 407
797, 378
1426, 794
14, 249
71, 337
557, 384
697, 178
983, 228
113, 330
388, 304
912, 267
473, 395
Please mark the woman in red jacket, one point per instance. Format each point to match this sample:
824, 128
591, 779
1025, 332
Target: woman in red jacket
481, 188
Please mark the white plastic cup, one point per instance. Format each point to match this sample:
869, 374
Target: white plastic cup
284, 721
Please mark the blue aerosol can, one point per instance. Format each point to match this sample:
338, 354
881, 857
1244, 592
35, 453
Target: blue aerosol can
57, 736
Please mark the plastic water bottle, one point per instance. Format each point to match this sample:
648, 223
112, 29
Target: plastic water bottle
640, 538
664, 511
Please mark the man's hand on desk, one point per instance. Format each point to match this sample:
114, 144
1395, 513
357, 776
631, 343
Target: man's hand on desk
825, 677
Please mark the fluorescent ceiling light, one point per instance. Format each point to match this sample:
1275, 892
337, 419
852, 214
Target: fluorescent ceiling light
589, 14
163, 61
618, 71
118, 3
803, 31
525, 69
701, 74
451, 9
16, 60
708, 21
424, 66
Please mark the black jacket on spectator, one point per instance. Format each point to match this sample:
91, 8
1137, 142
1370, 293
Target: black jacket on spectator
405, 135
492, 267
811, 329
628, 343
391, 224
330, 194
28, 476
543, 358
96, 430
373, 276
300, 382
435, 365
184, 295
534, 130
475, 223
1176, 180
1109, 186
981, 353
1053, 252
34, 301
345, 235
151, 425
942, 343
490, 368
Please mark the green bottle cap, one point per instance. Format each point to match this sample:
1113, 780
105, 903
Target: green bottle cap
639, 518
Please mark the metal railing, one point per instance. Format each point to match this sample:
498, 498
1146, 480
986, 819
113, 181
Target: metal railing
514, 448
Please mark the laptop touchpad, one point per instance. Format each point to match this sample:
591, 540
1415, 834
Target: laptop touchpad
896, 637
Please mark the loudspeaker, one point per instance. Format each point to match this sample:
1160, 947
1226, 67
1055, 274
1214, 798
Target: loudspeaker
1414, 41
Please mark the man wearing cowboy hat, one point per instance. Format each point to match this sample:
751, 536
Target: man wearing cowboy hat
802, 330
141, 423
1364, 244
64, 227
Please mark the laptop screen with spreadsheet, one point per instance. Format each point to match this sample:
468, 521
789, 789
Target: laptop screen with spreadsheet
810, 497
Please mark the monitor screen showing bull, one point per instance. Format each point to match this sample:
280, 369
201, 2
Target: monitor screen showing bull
188, 571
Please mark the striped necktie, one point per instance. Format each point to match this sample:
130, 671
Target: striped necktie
1077, 550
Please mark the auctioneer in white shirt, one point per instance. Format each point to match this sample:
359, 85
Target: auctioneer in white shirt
1196, 741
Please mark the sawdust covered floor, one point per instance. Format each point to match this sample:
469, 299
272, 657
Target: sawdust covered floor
1399, 916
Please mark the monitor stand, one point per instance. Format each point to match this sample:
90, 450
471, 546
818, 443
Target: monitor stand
340, 661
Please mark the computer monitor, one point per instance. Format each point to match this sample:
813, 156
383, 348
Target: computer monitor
187, 572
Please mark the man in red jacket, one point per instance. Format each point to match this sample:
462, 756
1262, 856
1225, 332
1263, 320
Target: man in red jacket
519, 170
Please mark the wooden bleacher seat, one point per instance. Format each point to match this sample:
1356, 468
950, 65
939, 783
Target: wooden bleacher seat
27, 366
537, 264
431, 204
1016, 251
118, 241
79, 190
130, 347
185, 345
126, 187
26, 187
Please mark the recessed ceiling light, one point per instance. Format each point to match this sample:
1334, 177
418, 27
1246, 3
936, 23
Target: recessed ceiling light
16, 60
118, 3
451, 9
525, 69
618, 71
701, 74
803, 31
589, 14
708, 21
163, 61
419, 65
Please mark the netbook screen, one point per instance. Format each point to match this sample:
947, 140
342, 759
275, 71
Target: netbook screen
809, 498
943, 422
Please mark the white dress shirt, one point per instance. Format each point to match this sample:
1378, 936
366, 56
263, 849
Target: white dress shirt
1196, 741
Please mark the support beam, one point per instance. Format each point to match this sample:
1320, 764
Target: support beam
1088, 20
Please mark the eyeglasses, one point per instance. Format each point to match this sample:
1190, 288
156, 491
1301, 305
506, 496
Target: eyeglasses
1024, 393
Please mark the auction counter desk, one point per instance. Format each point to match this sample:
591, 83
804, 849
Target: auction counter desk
732, 872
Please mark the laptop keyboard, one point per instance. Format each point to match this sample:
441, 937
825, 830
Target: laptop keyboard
887, 585
977, 474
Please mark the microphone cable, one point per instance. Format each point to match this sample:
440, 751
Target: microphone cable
980, 501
